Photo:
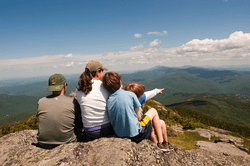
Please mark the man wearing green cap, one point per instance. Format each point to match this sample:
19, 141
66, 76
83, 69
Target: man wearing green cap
59, 116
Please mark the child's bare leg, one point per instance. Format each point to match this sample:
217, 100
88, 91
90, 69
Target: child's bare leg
153, 115
165, 136
152, 137
164, 131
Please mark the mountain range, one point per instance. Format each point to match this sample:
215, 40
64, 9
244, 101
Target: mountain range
174, 80
23, 94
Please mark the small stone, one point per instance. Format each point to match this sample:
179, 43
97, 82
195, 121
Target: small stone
225, 153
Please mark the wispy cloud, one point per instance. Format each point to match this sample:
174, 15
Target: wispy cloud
68, 56
32, 61
137, 48
164, 32
158, 33
69, 64
137, 35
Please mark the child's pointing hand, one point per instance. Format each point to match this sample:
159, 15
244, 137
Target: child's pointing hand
161, 91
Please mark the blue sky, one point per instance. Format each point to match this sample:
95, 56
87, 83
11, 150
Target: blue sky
43, 37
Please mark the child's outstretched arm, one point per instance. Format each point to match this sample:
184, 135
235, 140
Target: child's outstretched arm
150, 94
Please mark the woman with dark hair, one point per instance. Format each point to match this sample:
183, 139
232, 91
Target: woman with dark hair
92, 97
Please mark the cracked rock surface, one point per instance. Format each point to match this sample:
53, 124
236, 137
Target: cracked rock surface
19, 149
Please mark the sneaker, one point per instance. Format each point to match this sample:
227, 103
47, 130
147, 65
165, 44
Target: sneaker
163, 147
167, 144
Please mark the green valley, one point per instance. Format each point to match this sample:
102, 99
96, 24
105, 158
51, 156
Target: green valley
14, 108
230, 108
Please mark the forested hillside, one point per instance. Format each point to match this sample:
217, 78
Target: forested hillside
230, 108
14, 108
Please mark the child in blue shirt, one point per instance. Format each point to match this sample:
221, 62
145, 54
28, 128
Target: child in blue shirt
124, 113
143, 96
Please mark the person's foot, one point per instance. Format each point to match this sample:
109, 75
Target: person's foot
163, 147
167, 144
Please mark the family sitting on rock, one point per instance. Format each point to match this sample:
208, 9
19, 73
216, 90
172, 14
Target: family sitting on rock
102, 109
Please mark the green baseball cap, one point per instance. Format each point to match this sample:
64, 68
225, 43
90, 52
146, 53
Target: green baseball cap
56, 82
95, 66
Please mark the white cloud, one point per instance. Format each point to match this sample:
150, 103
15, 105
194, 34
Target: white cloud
69, 64
68, 56
158, 33
105, 54
137, 48
164, 32
80, 63
137, 35
141, 60
229, 51
31, 61
154, 33
237, 43
121, 52
156, 42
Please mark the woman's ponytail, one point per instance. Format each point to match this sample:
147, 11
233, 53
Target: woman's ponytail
85, 81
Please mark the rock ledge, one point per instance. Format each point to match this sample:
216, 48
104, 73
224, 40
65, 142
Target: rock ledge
20, 149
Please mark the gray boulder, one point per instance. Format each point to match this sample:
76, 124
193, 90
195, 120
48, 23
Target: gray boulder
20, 149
